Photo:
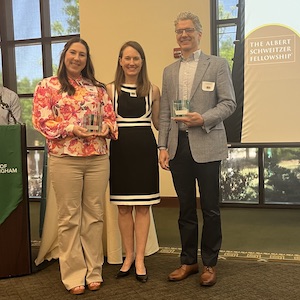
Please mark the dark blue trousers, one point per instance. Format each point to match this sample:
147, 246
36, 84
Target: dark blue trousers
186, 175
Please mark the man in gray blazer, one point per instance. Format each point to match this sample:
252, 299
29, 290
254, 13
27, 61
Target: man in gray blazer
10, 107
193, 145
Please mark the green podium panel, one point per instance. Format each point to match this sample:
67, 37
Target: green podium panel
15, 242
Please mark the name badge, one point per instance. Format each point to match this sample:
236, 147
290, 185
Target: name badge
91, 88
208, 86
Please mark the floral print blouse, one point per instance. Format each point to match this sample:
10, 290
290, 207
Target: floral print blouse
55, 114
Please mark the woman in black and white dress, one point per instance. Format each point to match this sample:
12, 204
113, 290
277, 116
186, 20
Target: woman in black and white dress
134, 177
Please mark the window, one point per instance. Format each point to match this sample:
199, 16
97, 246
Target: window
282, 175
1, 78
30, 48
239, 176
224, 28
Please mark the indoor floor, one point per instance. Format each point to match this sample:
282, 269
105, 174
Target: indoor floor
259, 260
251, 233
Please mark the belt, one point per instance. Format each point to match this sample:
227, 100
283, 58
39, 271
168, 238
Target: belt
183, 133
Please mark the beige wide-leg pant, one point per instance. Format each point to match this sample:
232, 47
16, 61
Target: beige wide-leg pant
80, 184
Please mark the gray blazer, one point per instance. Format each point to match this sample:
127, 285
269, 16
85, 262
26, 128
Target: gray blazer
12, 100
212, 96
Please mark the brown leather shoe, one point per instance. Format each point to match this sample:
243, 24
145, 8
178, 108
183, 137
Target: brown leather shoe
183, 272
208, 276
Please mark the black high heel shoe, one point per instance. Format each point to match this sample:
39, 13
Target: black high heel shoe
142, 278
122, 274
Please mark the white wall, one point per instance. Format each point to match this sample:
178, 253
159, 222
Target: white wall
107, 24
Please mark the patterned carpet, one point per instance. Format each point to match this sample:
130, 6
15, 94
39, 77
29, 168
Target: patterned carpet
239, 279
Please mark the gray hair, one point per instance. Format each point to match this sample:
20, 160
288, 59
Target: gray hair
189, 16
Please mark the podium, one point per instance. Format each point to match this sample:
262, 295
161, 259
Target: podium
15, 241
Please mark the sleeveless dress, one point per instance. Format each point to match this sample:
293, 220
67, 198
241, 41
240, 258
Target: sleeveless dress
134, 177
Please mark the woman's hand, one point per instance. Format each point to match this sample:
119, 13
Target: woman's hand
81, 132
104, 131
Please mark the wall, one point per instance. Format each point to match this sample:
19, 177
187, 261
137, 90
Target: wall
107, 24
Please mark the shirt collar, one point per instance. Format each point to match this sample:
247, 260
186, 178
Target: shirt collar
77, 81
194, 56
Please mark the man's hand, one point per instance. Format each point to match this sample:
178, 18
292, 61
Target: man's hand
191, 119
164, 159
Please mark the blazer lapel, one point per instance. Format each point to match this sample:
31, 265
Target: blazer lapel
201, 69
175, 78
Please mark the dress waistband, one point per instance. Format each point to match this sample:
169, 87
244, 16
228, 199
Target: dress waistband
129, 122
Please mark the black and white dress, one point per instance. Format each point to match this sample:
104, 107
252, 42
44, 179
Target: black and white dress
134, 177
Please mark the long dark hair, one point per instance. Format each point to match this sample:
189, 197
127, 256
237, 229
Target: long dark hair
88, 71
143, 83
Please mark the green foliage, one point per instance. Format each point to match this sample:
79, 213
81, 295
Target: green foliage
27, 86
223, 14
34, 138
238, 187
58, 28
239, 177
225, 41
279, 154
70, 9
282, 185
227, 50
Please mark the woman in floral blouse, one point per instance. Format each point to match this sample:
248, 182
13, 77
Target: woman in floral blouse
78, 161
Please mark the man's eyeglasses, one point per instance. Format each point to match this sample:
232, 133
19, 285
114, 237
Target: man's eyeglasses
187, 31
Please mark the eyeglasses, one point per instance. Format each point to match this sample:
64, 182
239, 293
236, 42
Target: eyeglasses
187, 31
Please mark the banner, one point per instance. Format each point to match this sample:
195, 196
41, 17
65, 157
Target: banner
11, 186
266, 73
